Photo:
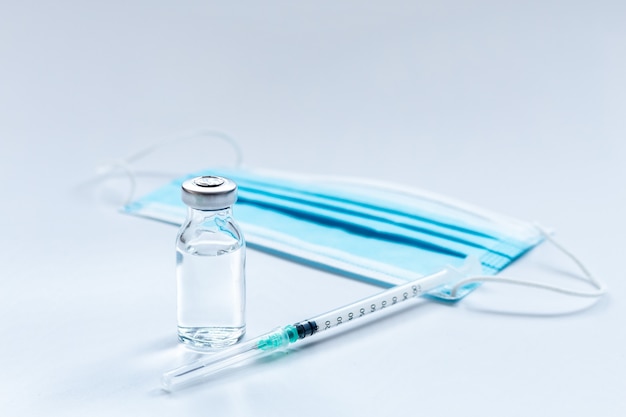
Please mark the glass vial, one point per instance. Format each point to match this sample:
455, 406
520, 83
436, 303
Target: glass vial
210, 266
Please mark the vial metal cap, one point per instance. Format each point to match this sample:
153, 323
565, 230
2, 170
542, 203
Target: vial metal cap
209, 193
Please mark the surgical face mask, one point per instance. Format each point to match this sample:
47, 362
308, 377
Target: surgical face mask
374, 231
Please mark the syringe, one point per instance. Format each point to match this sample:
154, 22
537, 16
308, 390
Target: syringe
286, 335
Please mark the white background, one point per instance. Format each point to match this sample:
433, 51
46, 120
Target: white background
513, 106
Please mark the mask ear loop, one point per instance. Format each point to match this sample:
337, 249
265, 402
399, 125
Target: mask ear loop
600, 287
125, 164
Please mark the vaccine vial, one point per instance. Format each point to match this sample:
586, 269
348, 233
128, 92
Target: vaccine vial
210, 266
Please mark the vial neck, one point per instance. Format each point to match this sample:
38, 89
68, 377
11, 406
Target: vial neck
196, 214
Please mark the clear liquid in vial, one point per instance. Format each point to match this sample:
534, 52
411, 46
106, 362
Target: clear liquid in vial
211, 298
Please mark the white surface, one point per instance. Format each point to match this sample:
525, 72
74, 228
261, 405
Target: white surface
516, 108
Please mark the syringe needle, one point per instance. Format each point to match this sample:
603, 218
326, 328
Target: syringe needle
205, 367
283, 336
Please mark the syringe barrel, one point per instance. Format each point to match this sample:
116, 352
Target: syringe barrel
385, 299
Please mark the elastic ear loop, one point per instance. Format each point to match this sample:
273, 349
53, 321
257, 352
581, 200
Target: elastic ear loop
600, 287
105, 170
125, 164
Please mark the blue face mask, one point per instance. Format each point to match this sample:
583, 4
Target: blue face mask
372, 231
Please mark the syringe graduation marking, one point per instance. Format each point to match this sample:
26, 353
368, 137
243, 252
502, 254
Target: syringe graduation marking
361, 308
